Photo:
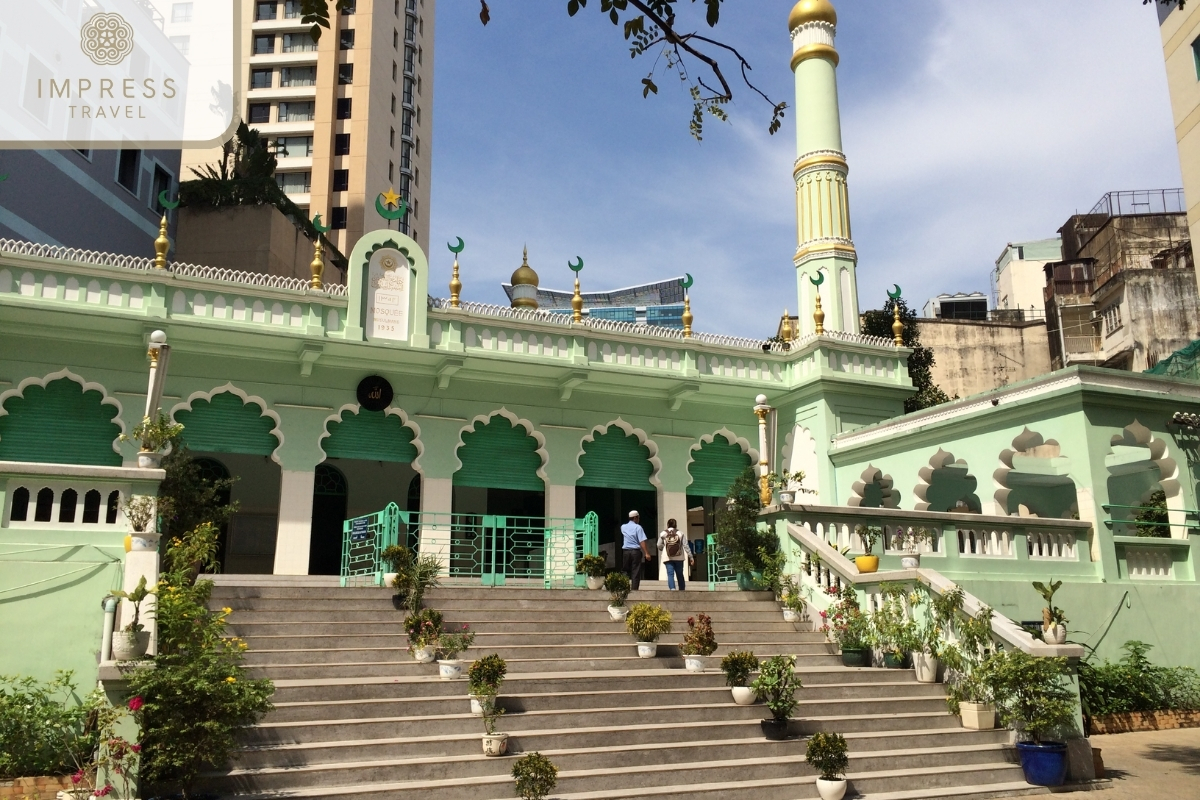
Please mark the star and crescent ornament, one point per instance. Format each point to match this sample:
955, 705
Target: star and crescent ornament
456, 249
316, 221
385, 201
895, 295
817, 281
687, 282
576, 267
165, 201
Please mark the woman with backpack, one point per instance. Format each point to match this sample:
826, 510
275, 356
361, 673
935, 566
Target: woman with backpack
675, 550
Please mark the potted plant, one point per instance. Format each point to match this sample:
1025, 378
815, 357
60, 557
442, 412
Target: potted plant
793, 597
970, 692
1033, 697
396, 557
909, 540
413, 575
776, 685
1054, 621
740, 539
449, 645
131, 642
844, 624
494, 744
826, 754
645, 623
617, 585
892, 632
869, 536
535, 775
153, 436
593, 568
424, 628
788, 485
939, 614
737, 666
483, 682
698, 642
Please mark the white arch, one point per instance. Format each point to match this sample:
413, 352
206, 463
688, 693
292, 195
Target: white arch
1027, 442
643, 439
105, 399
515, 420
277, 432
354, 408
1138, 435
800, 455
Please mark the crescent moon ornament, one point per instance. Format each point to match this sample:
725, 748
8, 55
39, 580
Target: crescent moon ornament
386, 212
895, 295
163, 200
457, 249
316, 221
817, 281
576, 267
687, 282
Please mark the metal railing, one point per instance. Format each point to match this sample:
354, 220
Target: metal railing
717, 567
1141, 201
487, 549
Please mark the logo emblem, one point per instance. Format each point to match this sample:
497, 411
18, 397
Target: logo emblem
106, 39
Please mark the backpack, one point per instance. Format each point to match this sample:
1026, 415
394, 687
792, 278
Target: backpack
675, 545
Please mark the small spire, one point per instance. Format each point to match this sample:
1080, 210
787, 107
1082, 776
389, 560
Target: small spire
819, 316
897, 325
455, 285
162, 244
687, 315
318, 264
577, 304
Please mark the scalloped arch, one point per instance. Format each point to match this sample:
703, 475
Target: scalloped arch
514, 420
874, 475
405, 421
87, 386
1138, 435
942, 460
229, 388
729, 436
642, 437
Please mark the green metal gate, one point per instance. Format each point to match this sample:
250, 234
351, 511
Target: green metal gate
490, 549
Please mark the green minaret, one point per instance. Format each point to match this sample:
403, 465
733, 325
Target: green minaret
825, 251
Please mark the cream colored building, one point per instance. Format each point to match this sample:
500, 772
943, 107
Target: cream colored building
351, 115
1180, 30
1019, 278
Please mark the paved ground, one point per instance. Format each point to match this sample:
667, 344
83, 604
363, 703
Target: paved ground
1151, 764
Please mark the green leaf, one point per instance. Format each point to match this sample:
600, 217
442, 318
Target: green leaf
648, 87
635, 26
714, 12
573, 6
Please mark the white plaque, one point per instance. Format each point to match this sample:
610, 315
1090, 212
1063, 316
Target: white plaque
389, 280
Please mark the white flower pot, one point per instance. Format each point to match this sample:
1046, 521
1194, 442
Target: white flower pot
129, 645
787, 497
595, 583
450, 669
389, 578
617, 612
1057, 634
978, 716
150, 460
478, 703
693, 663
495, 744
647, 649
925, 667
743, 695
831, 790
423, 655
910, 560
791, 615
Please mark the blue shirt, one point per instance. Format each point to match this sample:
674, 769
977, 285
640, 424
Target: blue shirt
634, 536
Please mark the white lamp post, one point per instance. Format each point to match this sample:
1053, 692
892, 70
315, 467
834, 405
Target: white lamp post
761, 410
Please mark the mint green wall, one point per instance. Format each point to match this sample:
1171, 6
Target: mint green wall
819, 127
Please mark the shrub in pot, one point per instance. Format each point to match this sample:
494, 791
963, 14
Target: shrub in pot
483, 681
793, 596
698, 642
909, 540
776, 685
826, 754
494, 744
153, 436
1033, 697
846, 625
645, 623
592, 567
131, 642
739, 539
424, 628
449, 645
617, 585
737, 666
535, 775
970, 693
414, 575
869, 535
1054, 621
891, 631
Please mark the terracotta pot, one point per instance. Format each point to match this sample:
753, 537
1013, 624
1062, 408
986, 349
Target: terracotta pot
647, 649
743, 695
495, 744
831, 790
977, 716
130, 646
594, 583
867, 564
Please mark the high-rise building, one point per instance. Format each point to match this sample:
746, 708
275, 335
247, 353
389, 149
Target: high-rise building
1180, 30
350, 115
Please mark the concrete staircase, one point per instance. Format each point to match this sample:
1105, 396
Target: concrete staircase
357, 718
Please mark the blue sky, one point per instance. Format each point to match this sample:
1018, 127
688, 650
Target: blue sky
967, 124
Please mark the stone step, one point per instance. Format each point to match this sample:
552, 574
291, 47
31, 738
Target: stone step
625, 768
485, 639
545, 613
406, 666
249, 625
366, 688
489, 593
677, 604
444, 703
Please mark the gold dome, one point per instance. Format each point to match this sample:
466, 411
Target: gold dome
811, 11
524, 284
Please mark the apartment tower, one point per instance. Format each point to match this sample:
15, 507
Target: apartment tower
350, 115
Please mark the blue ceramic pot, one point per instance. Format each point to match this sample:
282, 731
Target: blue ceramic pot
750, 581
1043, 764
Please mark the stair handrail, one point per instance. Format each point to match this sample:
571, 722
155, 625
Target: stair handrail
1003, 628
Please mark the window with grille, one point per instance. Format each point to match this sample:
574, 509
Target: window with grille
262, 10
261, 78
264, 44
294, 182
298, 43
294, 146
296, 112
406, 119
1112, 319
410, 28
298, 76
410, 58
260, 113
405, 155
346, 39
408, 91
291, 9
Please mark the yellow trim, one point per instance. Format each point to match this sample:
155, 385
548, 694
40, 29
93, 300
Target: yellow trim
814, 50
833, 161
826, 247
